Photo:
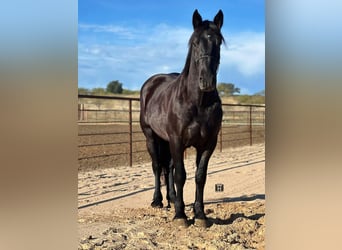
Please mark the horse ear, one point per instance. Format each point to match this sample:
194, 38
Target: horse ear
196, 19
218, 20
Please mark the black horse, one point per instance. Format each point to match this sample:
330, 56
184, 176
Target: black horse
183, 110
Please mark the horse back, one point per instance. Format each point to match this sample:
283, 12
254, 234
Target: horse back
155, 85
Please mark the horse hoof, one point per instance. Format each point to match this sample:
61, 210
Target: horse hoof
157, 204
201, 223
180, 222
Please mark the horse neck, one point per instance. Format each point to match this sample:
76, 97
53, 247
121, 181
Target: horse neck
189, 80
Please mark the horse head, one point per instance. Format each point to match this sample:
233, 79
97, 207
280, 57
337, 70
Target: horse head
205, 45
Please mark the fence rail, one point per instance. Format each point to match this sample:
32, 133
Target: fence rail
110, 134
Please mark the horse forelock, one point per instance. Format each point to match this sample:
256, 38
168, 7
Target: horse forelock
206, 25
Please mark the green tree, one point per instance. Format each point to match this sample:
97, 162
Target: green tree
227, 89
115, 87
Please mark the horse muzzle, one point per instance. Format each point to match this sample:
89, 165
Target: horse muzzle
207, 84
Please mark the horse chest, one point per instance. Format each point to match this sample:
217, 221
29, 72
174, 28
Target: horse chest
196, 133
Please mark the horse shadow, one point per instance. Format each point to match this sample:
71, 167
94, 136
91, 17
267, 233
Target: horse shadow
237, 199
218, 221
232, 218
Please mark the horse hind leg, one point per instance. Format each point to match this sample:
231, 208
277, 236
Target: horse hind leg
157, 196
153, 149
168, 168
170, 187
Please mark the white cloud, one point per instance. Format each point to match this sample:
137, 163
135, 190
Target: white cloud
160, 49
121, 31
131, 55
245, 52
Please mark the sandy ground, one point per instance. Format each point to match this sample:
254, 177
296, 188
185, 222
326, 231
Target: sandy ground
114, 206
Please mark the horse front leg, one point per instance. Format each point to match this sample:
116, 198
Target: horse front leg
202, 161
179, 177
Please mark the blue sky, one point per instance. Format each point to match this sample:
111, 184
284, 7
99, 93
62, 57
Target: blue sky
131, 40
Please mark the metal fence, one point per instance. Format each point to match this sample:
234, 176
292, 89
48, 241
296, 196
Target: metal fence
110, 134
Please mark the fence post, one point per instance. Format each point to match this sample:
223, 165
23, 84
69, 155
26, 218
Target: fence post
130, 133
250, 126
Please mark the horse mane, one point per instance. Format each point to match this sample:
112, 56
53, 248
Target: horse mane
195, 35
187, 62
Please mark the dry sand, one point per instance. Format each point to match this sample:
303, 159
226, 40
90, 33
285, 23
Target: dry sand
114, 206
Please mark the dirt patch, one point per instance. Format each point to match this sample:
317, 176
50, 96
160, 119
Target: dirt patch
234, 225
115, 213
